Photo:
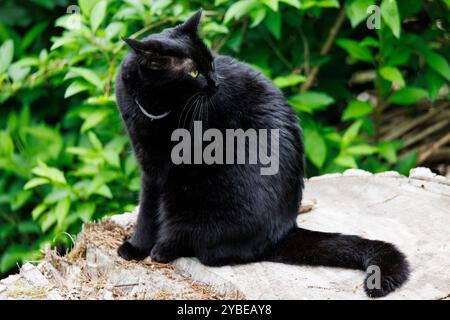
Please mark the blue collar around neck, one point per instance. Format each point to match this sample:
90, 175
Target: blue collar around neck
149, 115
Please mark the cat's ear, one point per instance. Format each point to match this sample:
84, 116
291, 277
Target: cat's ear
191, 25
136, 45
148, 46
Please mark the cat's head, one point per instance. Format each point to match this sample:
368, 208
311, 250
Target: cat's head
176, 56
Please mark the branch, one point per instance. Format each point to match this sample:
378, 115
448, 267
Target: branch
428, 150
325, 49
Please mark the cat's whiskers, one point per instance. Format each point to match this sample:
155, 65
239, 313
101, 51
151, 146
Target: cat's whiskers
192, 106
187, 107
196, 111
190, 121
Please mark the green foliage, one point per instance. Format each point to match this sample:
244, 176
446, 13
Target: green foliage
64, 155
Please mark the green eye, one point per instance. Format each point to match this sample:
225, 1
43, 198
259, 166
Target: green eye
193, 74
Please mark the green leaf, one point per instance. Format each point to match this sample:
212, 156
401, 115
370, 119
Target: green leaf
6, 55
86, 74
272, 4
20, 199
355, 49
346, 161
292, 3
75, 88
361, 150
311, 101
47, 221
235, 41
11, 256
59, 42
98, 14
327, 3
6, 144
273, 23
93, 119
28, 227
315, 147
351, 133
62, 210
5, 231
95, 141
257, 16
214, 27
289, 80
389, 12
86, 6
406, 162
388, 151
434, 84
112, 158
85, 211
31, 35
104, 191
52, 174
409, 95
392, 74
33, 183
357, 109
369, 42
357, 10
18, 73
239, 9
114, 29
438, 63
56, 195
38, 210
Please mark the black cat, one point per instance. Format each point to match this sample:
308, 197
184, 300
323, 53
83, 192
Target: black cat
223, 214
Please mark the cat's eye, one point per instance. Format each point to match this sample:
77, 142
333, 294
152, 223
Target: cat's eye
194, 73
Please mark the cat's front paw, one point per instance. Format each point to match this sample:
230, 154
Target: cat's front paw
163, 254
129, 252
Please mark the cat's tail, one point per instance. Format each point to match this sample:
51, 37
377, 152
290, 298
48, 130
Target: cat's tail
386, 267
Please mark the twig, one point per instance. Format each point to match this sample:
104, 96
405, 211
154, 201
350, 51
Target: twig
305, 51
441, 155
325, 49
425, 133
428, 150
400, 130
278, 52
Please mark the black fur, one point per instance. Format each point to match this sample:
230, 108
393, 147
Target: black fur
223, 214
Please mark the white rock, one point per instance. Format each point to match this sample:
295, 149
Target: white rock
421, 173
34, 276
416, 220
326, 176
356, 173
389, 174
125, 219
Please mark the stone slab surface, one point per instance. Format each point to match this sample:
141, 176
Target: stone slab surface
412, 212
